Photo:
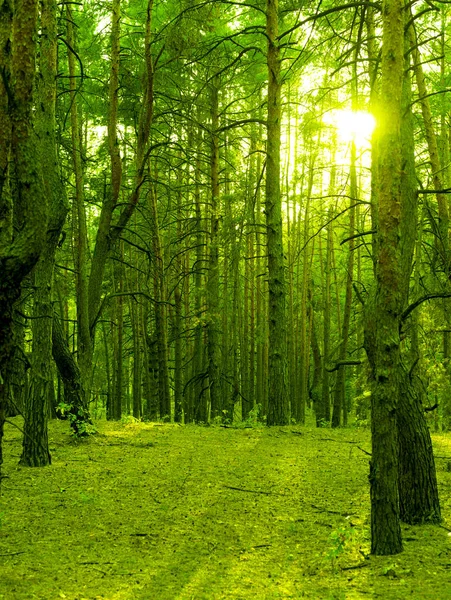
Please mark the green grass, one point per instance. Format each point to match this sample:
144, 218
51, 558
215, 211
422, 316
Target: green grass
165, 512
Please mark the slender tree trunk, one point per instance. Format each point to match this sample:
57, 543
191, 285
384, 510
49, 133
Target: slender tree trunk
214, 375
35, 452
84, 342
178, 381
119, 345
278, 405
200, 409
339, 406
442, 237
323, 413
160, 312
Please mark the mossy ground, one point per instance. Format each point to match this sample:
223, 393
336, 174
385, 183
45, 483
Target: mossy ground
165, 512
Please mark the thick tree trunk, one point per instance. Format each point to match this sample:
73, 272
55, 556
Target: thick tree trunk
383, 317
418, 492
19, 251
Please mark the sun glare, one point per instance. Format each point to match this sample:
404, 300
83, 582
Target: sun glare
352, 125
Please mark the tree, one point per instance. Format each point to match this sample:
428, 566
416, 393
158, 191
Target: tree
383, 316
278, 409
26, 203
35, 443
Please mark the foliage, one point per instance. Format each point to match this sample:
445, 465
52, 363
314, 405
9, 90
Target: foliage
340, 539
80, 427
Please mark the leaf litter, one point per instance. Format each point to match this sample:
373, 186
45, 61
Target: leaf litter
167, 512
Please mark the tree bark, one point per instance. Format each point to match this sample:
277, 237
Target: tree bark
74, 395
278, 406
35, 451
418, 493
212, 291
19, 251
383, 313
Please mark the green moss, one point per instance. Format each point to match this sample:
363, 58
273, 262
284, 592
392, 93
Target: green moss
164, 512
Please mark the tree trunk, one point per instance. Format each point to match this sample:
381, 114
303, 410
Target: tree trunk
418, 494
278, 406
383, 313
35, 451
339, 405
212, 291
74, 396
84, 341
19, 250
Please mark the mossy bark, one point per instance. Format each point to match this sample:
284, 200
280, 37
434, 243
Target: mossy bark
35, 452
20, 250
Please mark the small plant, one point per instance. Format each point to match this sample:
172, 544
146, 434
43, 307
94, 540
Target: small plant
80, 425
129, 420
252, 417
63, 410
339, 539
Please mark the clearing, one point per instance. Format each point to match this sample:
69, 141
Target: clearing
166, 512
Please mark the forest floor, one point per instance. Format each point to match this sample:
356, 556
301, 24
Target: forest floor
164, 512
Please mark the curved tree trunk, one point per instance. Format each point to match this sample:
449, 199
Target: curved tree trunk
74, 395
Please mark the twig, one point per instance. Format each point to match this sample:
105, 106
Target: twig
239, 489
334, 440
13, 553
95, 562
365, 451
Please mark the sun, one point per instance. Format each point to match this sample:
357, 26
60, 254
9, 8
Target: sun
352, 125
